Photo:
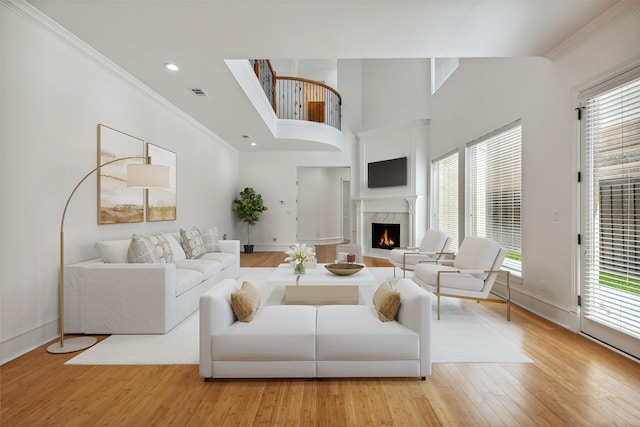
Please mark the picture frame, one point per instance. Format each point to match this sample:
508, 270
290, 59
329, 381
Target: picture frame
116, 202
162, 203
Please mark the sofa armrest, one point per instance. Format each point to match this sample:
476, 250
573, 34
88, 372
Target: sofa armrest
415, 314
215, 314
230, 247
107, 298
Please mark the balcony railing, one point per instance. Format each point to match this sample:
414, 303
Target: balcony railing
299, 99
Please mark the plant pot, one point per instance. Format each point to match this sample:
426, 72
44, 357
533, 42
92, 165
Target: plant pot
248, 249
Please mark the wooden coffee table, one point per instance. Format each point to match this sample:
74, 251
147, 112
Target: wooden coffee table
321, 294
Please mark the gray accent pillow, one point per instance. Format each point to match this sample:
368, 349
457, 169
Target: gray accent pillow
210, 238
192, 242
149, 249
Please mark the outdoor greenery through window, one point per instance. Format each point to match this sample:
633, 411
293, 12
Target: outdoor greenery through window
611, 247
494, 182
444, 197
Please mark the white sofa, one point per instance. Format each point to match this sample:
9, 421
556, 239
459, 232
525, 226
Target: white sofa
138, 298
286, 341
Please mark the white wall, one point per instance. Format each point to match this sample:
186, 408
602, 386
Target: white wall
484, 94
394, 91
54, 93
321, 70
319, 199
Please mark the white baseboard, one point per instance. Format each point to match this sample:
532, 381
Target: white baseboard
567, 317
27, 341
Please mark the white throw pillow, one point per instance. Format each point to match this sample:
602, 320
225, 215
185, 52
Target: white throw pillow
149, 249
113, 250
176, 248
210, 238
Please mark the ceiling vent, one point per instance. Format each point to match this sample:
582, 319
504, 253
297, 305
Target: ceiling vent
198, 92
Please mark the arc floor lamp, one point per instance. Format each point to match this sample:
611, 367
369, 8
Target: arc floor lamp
143, 175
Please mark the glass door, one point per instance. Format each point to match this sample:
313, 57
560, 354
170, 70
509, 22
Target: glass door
610, 229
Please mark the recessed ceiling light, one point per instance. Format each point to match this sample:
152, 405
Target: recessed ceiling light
171, 66
253, 144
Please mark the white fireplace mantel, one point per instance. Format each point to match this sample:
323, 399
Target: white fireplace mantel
371, 209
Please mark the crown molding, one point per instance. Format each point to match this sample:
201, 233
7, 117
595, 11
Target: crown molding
607, 19
42, 21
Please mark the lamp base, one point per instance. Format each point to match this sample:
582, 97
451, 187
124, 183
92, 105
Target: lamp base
72, 345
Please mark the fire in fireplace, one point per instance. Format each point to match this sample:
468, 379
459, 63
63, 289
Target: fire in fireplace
385, 236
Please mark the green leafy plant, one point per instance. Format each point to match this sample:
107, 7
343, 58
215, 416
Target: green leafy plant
248, 208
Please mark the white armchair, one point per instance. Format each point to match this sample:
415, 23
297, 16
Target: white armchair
470, 275
434, 244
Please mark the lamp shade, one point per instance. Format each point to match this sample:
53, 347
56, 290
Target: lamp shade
147, 176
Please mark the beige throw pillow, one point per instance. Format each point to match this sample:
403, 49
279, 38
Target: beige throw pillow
245, 302
386, 301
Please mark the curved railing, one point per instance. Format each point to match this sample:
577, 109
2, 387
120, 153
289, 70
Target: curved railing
299, 99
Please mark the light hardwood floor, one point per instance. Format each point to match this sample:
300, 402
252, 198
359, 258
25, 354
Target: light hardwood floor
573, 382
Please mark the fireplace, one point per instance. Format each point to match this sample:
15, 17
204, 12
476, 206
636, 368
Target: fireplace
385, 236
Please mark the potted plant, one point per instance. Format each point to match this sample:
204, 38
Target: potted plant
248, 208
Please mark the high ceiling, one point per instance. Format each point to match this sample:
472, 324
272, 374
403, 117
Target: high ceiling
140, 36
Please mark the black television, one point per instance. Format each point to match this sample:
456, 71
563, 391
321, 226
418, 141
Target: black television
387, 173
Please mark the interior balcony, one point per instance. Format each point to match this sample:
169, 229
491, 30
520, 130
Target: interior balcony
305, 112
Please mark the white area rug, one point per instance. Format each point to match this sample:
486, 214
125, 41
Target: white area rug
458, 338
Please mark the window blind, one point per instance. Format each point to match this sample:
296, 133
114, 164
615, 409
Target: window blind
611, 226
444, 196
494, 170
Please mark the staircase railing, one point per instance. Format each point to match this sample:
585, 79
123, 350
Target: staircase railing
297, 98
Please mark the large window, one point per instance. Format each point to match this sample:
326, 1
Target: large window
610, 285
494, 182
444, 196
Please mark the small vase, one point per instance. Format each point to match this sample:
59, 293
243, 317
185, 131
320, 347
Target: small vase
299, 268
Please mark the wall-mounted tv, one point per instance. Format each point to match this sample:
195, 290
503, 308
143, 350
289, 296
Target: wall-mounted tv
387, 173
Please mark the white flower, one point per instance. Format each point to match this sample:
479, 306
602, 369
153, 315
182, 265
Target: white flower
298, 253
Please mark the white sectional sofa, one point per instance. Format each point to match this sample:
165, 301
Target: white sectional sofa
112, 296
286, 341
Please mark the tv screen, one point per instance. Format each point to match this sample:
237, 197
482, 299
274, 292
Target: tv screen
387, 173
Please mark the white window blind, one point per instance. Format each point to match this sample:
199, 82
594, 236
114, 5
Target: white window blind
444, 196
494, 171
611, 229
